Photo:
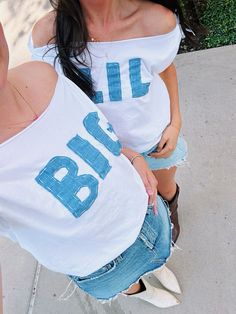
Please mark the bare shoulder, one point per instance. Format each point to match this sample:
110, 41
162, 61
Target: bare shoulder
36, 70
44, 29
39, 76
157, 18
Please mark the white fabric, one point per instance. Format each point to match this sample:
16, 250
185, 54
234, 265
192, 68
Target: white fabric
38, 221
138, 121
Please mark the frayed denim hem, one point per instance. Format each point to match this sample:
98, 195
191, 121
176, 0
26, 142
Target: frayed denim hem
179, 163
159, 263
178, 157
173, 247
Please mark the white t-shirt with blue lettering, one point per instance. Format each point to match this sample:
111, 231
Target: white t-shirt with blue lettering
129, 90
67, 195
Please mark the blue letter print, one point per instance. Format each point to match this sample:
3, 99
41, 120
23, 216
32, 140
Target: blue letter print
90, 155
91, 123
98, 98
139, 89
114, 81
66, 189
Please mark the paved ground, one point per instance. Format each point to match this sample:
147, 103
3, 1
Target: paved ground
206, 264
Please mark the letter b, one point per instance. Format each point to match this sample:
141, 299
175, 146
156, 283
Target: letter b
66, 189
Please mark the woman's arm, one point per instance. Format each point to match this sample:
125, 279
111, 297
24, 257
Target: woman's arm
169, 76
146, 175
170, 135
44, 30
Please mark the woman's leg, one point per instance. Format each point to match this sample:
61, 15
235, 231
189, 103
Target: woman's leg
166, 182
155, 296
169, 190
135, 288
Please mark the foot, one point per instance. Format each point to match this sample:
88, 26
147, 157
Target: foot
155, 296
168, 279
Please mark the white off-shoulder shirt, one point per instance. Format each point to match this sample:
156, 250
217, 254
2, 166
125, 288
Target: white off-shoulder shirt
67, 195
129, 90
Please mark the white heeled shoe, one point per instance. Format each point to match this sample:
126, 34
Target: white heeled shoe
168, 279
155, 296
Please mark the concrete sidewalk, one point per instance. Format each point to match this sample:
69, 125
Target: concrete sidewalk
206, 264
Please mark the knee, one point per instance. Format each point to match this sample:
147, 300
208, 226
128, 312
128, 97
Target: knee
167, 192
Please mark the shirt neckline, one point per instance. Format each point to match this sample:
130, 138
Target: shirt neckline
93, 43
135, 38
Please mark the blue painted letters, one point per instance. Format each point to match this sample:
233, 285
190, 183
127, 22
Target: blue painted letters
98, 98
139, 89
66, 189
114, 80
91, 123
90, 155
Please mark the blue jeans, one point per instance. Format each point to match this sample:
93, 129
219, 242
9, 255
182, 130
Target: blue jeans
149, 252
177, 158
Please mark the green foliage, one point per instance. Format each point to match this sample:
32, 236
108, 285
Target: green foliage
220, 19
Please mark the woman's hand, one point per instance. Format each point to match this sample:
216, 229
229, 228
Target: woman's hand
149, 181
167, 143
146, 175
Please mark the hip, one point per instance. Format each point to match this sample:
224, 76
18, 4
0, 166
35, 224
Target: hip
150, 251
177, 158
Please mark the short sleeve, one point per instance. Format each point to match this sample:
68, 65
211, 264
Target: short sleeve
46, 53
166, 49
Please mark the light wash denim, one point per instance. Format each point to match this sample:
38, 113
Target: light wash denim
150, 251
177, 158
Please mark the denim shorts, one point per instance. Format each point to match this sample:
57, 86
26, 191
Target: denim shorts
177, 158
150, 251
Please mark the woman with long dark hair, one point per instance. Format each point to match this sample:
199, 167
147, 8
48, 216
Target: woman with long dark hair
120, 53
72, 199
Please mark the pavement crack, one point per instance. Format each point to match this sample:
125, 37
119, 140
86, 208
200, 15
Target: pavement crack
34, 289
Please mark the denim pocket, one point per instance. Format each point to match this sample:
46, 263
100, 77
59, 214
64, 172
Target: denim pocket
148, 235
154, 150
98, 273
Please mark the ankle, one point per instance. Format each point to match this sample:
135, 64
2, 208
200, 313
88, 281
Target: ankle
140, 287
